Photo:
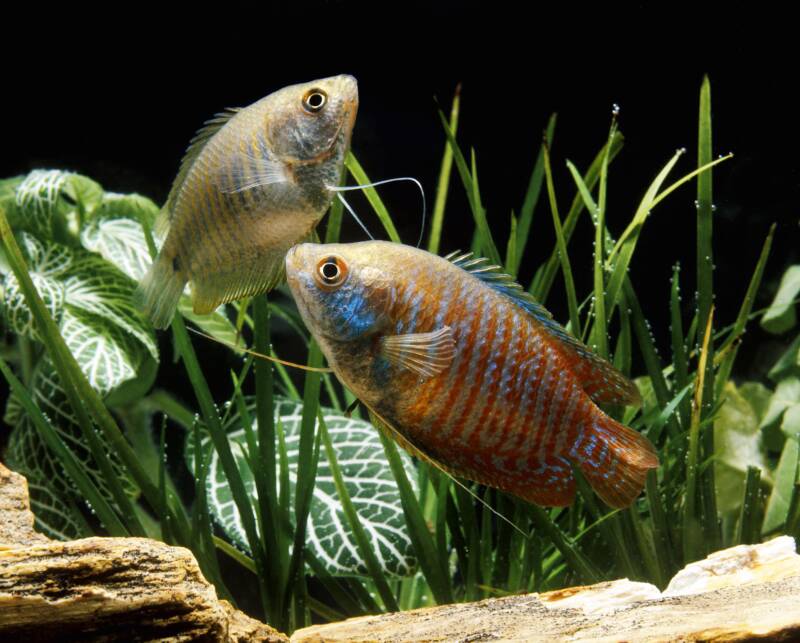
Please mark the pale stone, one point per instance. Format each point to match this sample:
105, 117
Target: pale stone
769, 561
601, 598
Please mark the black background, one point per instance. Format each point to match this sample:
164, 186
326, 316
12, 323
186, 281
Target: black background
117, 94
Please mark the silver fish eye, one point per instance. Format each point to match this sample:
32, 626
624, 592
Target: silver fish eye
314, 100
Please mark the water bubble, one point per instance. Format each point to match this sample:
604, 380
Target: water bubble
615, 109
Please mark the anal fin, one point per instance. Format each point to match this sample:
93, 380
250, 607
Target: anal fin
615, 460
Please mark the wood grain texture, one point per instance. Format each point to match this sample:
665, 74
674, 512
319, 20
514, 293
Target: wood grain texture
105, 589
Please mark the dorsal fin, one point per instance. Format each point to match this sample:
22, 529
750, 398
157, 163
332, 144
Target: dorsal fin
196, 145
598, 378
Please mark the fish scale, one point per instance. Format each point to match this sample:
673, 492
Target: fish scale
505, 400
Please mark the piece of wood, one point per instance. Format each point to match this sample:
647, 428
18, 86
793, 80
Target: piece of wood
105, 589
766, 612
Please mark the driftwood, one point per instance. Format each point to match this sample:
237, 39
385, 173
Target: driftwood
136, 589
105, 589
744, 593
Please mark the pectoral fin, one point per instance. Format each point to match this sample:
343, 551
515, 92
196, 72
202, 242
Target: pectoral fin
426, 354
254, 173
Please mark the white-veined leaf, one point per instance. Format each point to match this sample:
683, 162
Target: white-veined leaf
97, 287
106, 354
17, 313
55, 516
37, 200
27, 453
119, 241
369, 481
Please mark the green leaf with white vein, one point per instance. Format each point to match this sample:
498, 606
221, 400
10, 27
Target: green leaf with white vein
107, 355
90, 300
38, 200
51, 489
119, 241
116, 235
52, 203
369, 481
97, 287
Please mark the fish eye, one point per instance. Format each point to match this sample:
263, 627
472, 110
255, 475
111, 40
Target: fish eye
331, 272
314, 100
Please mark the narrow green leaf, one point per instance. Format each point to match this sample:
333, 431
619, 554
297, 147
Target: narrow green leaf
566, 269
334, 226
730, 347
705, 302
581, 565
78, 389
610, 528
749, 528
212, 420
443, 184
622, 253
680, 358
511, 248
468, 178
364, 547
694, 547
431, 567
532, 196
307, 461
74, 469
599, 330
354, 167
487, 245
545, 276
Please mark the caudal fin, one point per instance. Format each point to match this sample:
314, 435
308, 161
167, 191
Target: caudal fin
159, 291
615, 460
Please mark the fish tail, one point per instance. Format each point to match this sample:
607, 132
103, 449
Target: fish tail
615, 460
159, 291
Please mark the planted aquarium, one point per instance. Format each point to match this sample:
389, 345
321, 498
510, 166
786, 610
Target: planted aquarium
364, 353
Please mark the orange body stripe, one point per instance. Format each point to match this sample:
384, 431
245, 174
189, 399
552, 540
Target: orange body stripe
474, 390
478, 437
456, 389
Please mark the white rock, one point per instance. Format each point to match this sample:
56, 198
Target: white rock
601, 598
770, 561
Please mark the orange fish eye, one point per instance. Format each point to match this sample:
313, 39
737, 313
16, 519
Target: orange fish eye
314, 100
331, 272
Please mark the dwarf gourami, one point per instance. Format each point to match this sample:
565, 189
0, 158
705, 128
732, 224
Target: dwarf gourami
254, 182
465, 369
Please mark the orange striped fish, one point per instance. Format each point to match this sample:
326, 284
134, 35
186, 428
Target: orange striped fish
465, 369
254, 182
